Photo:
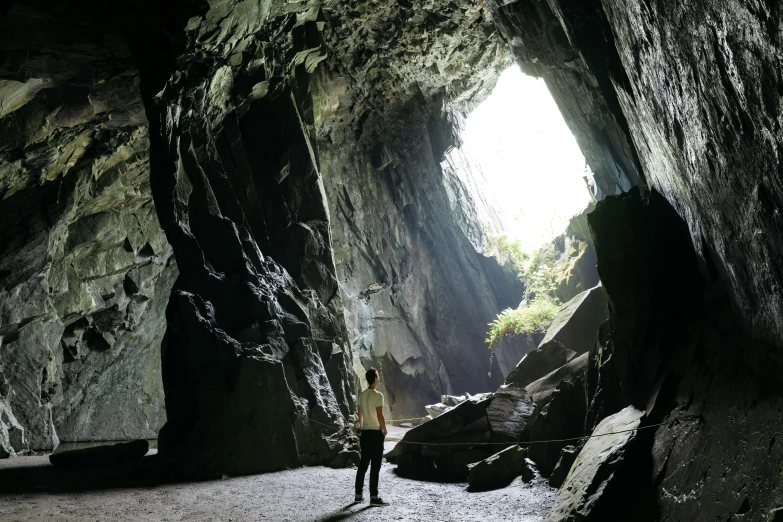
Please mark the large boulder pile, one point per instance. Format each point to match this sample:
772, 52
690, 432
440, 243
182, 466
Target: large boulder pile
543, 398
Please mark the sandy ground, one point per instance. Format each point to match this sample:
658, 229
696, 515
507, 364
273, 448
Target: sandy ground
305, 494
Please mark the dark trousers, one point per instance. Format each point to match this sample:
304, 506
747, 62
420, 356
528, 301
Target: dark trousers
371, 442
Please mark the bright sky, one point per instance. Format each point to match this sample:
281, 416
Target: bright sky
529, 158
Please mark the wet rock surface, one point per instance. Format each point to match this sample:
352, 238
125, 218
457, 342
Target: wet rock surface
513, 348
419, 291
539, 363
678, 101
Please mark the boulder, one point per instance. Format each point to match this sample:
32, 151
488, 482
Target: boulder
454, 400
564, 462
576, 324
563, 408
542, 390
454, 466
530, 471
538, 363
510, 414
497, 471
583, 494
464, 423
446, 402
100, 456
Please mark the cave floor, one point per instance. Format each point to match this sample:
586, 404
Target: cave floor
42, 492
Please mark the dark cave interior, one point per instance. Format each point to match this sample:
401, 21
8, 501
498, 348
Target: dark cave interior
216, 215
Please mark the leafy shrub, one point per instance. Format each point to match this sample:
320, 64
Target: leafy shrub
539, 304
528, 318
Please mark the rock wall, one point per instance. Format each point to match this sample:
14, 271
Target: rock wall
408, 225
75, 170
418, 293
689, 94
684, 357
85, 270
256, 367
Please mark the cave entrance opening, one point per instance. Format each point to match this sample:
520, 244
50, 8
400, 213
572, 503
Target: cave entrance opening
529, 161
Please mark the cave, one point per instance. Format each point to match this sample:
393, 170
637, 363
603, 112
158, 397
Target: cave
215, 216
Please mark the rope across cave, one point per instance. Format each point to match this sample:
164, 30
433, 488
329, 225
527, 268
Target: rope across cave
684, 418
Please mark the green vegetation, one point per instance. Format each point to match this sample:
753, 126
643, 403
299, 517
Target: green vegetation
539, 304
527, 319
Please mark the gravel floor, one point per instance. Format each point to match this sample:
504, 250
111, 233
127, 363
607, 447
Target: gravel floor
305, 494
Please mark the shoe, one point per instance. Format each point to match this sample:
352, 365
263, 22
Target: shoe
378, 502
358, 498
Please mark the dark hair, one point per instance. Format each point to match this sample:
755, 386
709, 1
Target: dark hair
371, 376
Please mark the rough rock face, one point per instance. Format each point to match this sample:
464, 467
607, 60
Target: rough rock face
256, 368
576, 324
690, 96
513, 348
418, 293
464, 435
538, 363
584, 495
85, 270
498, 470
569, 44
562, 401
687, 361
408, 225
76, 134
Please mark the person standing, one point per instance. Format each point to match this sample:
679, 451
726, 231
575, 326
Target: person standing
373, 432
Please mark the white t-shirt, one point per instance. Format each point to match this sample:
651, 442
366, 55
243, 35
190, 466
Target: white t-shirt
369, 400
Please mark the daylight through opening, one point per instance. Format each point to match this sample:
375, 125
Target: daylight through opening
529, 160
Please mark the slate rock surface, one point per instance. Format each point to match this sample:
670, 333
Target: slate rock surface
538, 363
543, 390
513, 348
562, 401
510, 414
442, 448
85, 270
497, 471
576, 323
581, 495
564, 463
